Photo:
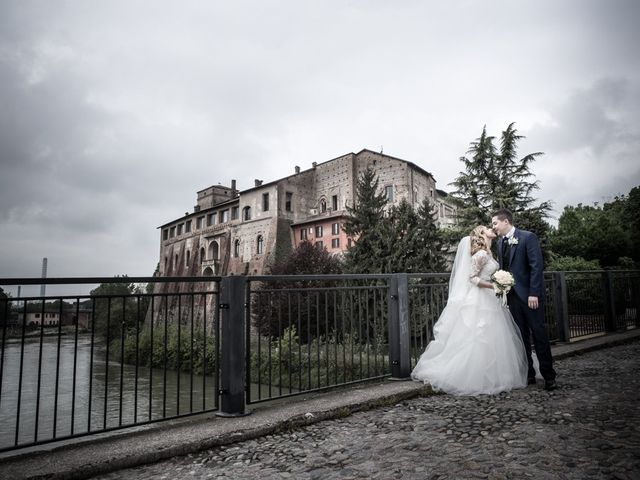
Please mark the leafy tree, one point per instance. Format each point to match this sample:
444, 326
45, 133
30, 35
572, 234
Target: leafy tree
370, 253
116, 308
569, 264
418, 243
607, 233
275, 309
496, 178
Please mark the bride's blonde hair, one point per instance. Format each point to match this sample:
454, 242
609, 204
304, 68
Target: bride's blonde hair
477, 240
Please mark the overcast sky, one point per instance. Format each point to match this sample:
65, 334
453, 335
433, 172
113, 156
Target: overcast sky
113, 114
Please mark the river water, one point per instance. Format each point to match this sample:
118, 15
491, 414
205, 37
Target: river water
24, 419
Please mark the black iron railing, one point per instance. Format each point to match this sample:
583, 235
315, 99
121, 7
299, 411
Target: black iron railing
83, 364
310, 333
162, 348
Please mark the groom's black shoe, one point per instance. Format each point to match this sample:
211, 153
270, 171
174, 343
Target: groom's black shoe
531, 381
550, 385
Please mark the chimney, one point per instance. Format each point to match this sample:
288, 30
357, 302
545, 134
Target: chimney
297, 169
258, 182
314, 164
233, 186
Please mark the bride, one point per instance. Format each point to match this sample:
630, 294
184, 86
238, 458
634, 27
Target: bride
477, 347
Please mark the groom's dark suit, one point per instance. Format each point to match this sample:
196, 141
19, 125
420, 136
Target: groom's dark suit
523, 258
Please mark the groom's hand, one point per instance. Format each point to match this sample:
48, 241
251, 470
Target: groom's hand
533, 303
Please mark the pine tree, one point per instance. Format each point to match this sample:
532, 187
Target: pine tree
367, 226
495, 179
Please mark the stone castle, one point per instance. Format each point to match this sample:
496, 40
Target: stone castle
241, 233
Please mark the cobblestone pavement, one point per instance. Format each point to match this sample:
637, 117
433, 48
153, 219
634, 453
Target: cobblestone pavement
588, 428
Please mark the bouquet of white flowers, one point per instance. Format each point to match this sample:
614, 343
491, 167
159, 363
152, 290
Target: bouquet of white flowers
502, 283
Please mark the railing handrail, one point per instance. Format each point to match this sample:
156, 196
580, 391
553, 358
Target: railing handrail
85, 280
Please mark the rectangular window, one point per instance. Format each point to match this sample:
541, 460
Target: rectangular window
334, 202
234, 213
335, 229
287, 201
303, 234
349, 243
319, 231
199, 223
211, 219
165, 234
180, 229
265, 202
319, 244
388, 191
335, 243
224, 216
172, 232
187, 226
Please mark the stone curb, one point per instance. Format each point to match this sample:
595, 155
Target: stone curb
126, 449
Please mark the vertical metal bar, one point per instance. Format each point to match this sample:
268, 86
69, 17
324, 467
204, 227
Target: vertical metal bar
179, 354
317, 339
6, 311
204, 355
269, 323
75, 367
336, 334
24, 325
351, 323
561, 306
56, 389
135, 378
326, 333
191, 356
366, 326
106, 367
609, 302
290, 318
122, 329
344, 346
151, 358
299, 312
234, 300
37, 416
280, 298
164, 374
93, 337
375, 332
247, 341
308, 297
259, 321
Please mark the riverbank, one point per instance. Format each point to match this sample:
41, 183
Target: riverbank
84, 458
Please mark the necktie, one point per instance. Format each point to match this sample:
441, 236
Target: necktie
505, 253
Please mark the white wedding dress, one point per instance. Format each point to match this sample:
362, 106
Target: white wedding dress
477, 347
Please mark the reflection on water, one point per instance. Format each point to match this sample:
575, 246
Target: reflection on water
99, 398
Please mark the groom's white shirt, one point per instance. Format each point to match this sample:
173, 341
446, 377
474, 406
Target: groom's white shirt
511, 232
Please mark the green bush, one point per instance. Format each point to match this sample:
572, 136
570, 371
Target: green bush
201, 360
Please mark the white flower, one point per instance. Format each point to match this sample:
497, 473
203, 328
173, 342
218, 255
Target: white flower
512, 241
502, 283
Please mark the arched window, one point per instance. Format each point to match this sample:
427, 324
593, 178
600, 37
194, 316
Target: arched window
202, 255
246, 213
175, 263
323, 205
236, 248
260, 243
188, 258
166, 264
208, 272
214, 251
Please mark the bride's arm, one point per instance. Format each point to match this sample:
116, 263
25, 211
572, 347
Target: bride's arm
479, 260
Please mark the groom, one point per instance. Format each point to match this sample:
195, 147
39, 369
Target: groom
519, 253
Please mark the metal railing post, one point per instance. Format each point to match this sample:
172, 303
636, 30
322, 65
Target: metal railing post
609, 302
233, 303
399, 338
561, 306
